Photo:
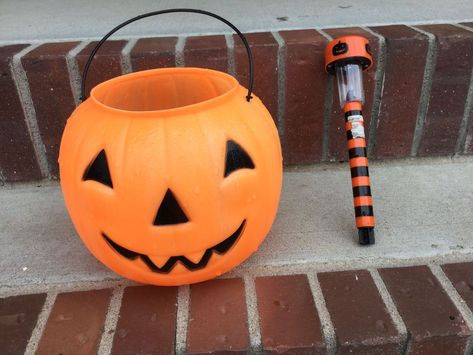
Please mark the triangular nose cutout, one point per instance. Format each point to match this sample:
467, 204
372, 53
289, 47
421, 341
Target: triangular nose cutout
170, 212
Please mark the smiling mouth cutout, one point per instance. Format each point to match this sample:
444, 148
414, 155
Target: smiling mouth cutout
221, 248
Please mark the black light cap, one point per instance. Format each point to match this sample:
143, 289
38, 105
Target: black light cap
366, 236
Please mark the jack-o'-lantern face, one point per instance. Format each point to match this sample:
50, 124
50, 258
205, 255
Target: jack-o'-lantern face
170, 213
171, 195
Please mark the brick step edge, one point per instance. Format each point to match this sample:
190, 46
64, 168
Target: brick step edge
424, 309
419, 95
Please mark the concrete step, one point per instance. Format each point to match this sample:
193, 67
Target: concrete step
79, 20
424, 211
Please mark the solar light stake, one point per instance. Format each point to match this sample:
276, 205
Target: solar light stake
346, 58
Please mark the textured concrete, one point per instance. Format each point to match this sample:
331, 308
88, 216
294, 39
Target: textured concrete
424, 211
23, 20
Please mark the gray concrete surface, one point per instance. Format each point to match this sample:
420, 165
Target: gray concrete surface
424, 211
26, 20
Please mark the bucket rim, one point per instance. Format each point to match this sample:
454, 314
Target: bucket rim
214, 101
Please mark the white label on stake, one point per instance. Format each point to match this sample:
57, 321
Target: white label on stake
357, 128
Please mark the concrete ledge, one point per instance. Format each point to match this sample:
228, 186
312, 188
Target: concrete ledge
26, 21
423, 211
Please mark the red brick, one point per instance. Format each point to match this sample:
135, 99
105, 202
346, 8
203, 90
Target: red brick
206, 52
461, 276
17, 155
152, 53
218, 318
361, 320
147, 321
265, 57
406, 52
337, 138
288, 318
305, 89
76, 323
18, 317
434, 323
105, 65
51, 92
450, 84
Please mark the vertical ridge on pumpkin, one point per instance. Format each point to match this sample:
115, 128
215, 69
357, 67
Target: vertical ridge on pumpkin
213, 149
255, 124
121, 152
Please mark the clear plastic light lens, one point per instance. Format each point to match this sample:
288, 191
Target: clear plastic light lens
350, 83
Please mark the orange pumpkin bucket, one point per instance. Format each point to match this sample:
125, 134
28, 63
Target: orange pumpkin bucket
171, 176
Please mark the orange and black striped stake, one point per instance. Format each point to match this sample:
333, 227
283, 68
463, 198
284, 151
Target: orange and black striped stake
347, 57
360, 177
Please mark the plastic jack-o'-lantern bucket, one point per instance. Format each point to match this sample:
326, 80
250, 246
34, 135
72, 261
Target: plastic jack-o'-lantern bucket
171, 176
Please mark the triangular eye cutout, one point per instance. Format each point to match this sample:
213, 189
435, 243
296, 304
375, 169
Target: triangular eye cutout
236, 158
170, 212
98, 170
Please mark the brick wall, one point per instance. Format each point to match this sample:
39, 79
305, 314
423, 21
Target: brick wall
424, 309
419, 94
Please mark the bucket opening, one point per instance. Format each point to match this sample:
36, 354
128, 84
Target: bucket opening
163, 89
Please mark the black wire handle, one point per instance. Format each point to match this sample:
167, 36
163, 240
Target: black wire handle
154, 13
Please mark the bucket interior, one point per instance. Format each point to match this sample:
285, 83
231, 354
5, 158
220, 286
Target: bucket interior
163, 89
